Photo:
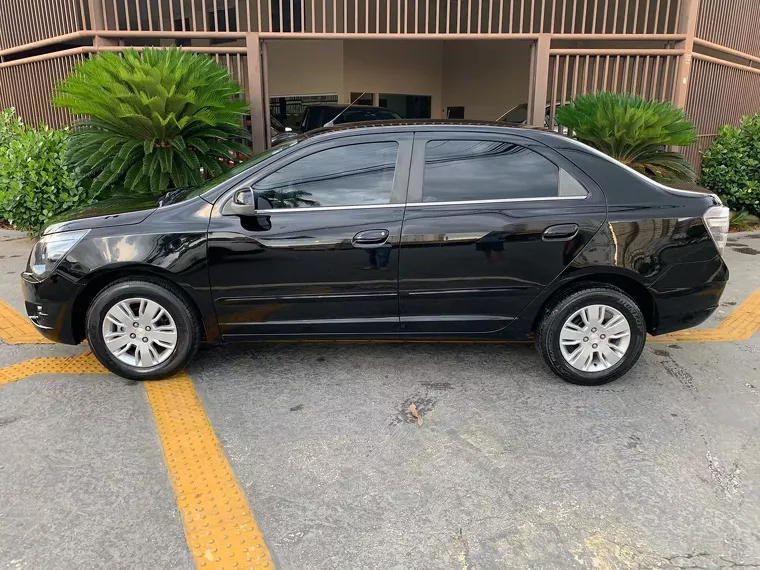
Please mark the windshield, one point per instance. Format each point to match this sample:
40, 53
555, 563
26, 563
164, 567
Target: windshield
517, 115
276, 125
181, 194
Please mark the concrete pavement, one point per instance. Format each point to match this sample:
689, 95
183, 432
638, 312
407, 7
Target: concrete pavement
510, 468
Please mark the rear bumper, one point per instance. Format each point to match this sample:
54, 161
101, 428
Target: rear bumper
49, 305
688, 293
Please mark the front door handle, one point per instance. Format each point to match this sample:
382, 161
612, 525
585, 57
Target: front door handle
560, 232
370, 238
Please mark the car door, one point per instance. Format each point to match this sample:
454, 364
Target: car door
320, 258
491, 220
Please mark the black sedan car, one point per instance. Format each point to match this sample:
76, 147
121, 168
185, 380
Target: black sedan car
391, 231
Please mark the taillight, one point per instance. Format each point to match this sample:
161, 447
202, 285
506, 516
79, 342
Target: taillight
716, 220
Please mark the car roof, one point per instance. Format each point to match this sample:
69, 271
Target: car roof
429, 125
344, 106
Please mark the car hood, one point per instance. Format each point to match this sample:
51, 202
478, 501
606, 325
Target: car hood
112, 212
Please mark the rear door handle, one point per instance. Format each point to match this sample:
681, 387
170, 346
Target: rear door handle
370, 238
560, 232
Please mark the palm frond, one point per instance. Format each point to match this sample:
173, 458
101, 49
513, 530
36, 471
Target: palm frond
633, 130
154, 119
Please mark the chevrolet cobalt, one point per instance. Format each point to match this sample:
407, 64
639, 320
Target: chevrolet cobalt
390, 231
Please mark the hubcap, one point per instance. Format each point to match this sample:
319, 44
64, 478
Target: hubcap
595, 338
139, 332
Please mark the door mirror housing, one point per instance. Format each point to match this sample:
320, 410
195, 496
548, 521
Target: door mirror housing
244, 202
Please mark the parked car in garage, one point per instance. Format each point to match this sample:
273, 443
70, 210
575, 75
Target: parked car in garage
279, 134
518, 116
403, 230
318, 115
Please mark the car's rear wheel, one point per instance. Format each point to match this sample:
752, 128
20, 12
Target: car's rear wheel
592, 335
142, 329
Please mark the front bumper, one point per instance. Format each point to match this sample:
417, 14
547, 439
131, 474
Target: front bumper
688, 293
50, 306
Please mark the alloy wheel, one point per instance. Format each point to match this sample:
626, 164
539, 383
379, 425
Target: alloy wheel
595, 338
139, 332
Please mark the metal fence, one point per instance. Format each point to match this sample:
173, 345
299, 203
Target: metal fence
45, 19
720, 93
27, 21
731, 23
572, 72
29, 87
396, 16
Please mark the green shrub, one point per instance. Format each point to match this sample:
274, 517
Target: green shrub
731, 166
743, 221
155, 120
10, 125
35, 182
633, 130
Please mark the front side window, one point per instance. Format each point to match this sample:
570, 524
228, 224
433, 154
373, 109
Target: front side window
352, 175
458, 170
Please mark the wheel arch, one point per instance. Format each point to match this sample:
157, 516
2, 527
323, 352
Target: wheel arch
626, 282
107, 276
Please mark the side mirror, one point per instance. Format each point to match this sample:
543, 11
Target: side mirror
244, 202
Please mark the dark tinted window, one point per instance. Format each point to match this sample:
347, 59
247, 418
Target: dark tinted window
486, 170
517, 115
355, 115
354, 175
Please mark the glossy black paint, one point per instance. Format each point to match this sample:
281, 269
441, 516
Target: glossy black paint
404, 270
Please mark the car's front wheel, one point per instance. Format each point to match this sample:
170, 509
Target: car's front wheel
592, 335
142, 329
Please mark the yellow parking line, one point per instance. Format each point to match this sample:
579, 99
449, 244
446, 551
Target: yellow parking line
84, 363
219, 524
15, 329
741, 324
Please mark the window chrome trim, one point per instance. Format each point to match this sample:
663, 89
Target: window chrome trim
497, 201
327, 208
420, 204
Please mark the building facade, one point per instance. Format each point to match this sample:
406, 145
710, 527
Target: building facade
473, 59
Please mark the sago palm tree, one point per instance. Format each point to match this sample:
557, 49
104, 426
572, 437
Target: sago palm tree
153, 120
633, 130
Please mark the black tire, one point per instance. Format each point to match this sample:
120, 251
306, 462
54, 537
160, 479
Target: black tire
170, 298
548, 332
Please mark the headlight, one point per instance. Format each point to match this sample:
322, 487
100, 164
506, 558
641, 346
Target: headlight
50, 250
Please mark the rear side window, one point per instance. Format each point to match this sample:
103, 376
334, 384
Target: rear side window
357, 114
351, 175
460, 170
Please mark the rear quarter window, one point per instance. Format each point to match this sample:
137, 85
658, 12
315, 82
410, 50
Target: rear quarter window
472, 170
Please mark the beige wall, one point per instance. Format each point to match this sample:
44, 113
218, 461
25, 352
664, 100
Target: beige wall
407, 67
487, 77
305, 67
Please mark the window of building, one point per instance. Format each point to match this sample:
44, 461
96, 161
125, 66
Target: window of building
407, 106
225, 18
457, 170
287, 16
352, 175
